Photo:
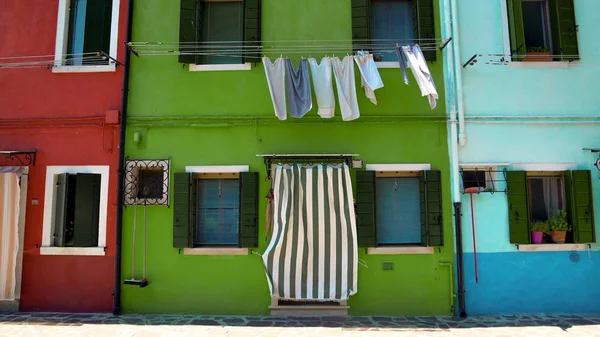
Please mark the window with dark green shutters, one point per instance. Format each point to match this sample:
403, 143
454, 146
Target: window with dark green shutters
233, 26
391, 22
542, 30
89, 31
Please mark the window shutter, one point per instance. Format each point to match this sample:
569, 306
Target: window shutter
432, 224
361, 18
582, 207
184, 210
365, 208
515, 26
87, 210
564, 30
424, 25
248, 209
252, 26
518, 207
190, 23
60, 210
97, 28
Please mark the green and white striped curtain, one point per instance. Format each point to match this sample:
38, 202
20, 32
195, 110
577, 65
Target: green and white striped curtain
313, 252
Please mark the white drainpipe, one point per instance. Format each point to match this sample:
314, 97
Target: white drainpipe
462, 135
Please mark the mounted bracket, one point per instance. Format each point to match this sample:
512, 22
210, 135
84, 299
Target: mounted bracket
18, 158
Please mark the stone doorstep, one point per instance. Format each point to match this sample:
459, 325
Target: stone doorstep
309, 310
9, 305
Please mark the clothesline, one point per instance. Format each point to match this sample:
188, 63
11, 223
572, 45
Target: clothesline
52, 62
177, 43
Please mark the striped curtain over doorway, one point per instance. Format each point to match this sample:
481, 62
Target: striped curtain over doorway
9, 237
313, 252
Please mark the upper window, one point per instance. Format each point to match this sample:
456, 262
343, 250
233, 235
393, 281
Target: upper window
398, 211
219, 32
87, 33
542, 30
391, 20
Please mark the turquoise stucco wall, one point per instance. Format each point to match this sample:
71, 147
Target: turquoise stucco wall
505, 113
226, 118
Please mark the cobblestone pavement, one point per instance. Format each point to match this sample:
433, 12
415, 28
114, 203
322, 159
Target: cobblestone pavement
54, 324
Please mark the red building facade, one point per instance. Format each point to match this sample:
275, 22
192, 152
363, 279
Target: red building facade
60, 101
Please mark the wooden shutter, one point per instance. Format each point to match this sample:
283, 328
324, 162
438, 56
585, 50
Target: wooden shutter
87, 210
248, 210
564, 30
361, 22
515, 26
518, 207
432, 224
190, 23
582, 206
424, 25
60, 210
184, 209
97, 28
252, 30
365, 208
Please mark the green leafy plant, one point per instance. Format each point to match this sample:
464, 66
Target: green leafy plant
540, 226
489, 189
537, 49
558, 222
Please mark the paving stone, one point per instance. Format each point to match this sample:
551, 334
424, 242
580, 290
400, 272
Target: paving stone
204, 322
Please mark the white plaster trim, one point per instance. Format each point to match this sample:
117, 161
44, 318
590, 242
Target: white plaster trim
389, 65
552, 247
215, 251
550, 64
85, 69
217, 169
62, 34
50, 194
544, 166
398, 167
399, 250
88, 251
220, 67
482, 165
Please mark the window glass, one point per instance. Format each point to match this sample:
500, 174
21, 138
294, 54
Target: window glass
218, 212
398, 211
391, 19
474, 179
223, 22
89, 31
151, 184
546, 197
535, 20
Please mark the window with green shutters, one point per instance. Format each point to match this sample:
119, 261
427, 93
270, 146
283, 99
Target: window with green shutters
537, 196
381, 22
399, 208
89, 30
234, 25
215, 210
543, 26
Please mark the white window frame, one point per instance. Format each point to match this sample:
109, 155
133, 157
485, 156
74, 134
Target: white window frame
62, 34
133, 175
52, 173
408, 250
220, 67
216, 250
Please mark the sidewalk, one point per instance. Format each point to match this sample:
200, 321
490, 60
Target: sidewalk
59, 324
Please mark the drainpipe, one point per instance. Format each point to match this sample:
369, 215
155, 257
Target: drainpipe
460, 275
462, 135
120, 179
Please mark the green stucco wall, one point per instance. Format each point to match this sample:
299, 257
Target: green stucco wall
226, 118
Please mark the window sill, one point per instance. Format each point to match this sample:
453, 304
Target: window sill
215, 251
221, 67
554, 64
414, 250
552, 247
83, 251
389, 65
85, 69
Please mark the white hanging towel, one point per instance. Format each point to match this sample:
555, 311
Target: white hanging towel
275, 73
369, 75
323, 84
417, 63
346, 88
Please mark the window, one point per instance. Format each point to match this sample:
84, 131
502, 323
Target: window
215, 209
151, 183
398, 211
147, 182
537, 196
386, 23
481, 178
85, 28
542, 26
207, 27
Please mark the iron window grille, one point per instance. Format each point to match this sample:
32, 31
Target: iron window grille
147, 182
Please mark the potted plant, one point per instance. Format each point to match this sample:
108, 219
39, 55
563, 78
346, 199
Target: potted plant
537, 54
559, 226
538, 228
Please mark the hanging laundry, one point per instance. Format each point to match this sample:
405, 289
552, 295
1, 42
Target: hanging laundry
402, 61
417, 63
369, 75
323, 83
275, 73
346, 88
297, 86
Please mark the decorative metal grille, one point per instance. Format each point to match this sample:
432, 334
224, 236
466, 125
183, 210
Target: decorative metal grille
17, 158
487, 181
147, 182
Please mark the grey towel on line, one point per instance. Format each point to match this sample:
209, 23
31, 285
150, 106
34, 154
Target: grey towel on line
297, 88
402, 60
